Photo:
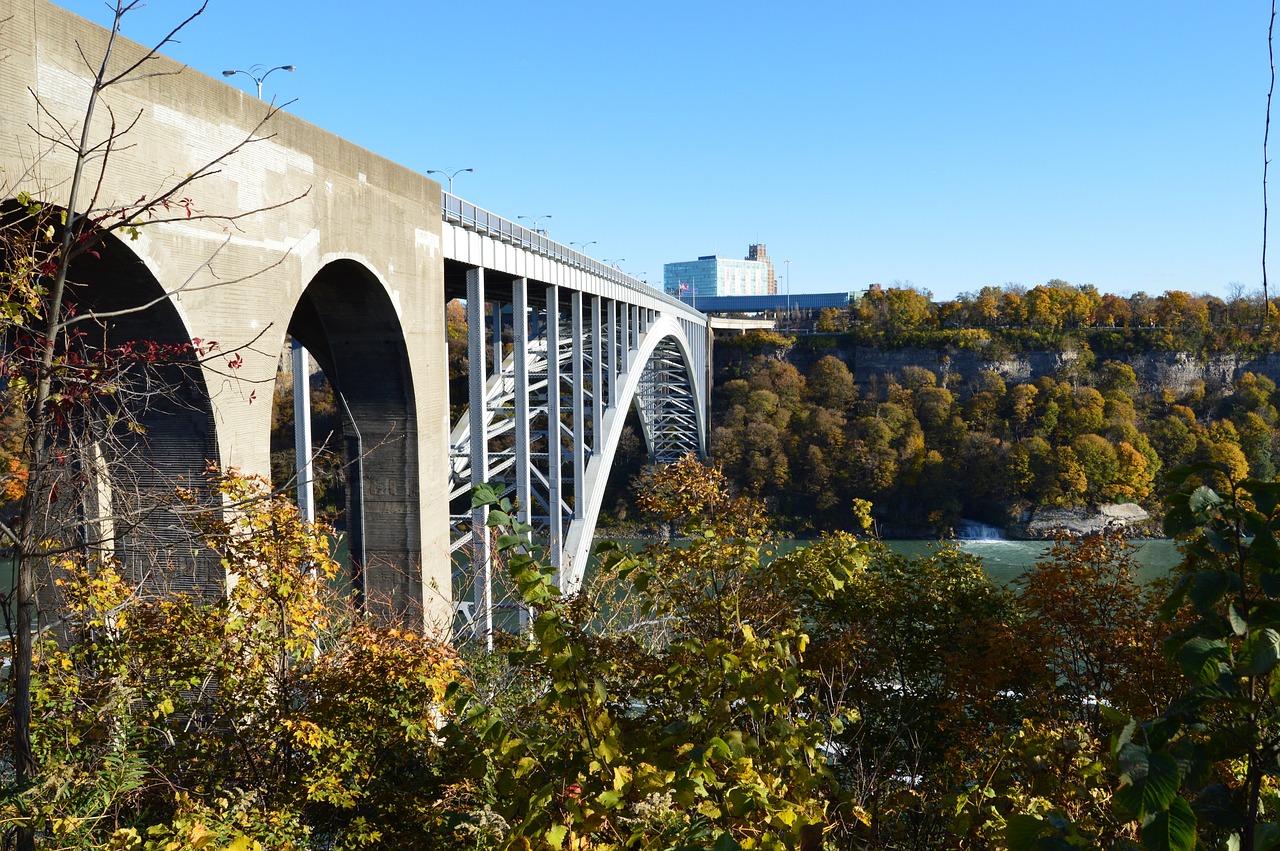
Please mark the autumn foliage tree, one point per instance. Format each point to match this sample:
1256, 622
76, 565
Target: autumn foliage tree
272, 717
75, 392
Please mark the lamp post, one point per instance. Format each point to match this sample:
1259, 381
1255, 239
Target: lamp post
535, 220
583, 245
788, 262
449, 174
614, 263
253, 74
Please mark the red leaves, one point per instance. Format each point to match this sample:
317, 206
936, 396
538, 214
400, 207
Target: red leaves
203, 347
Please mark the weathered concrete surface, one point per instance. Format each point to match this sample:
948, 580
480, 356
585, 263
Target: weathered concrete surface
365, 228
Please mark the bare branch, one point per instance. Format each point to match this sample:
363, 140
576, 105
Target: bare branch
187, 286
9, 534
127, 74
1266, 136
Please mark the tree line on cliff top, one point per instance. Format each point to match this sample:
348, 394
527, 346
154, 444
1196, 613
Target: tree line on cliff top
1018, 317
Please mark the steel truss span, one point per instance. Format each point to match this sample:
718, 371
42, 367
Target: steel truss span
553, 371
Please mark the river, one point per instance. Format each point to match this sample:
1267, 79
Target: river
1005, 560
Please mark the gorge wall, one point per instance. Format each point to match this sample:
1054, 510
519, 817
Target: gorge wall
1178, 371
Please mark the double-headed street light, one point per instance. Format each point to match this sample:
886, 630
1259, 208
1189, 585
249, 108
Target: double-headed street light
449, 174
535, 220
256, 74
788, 262
583, 245
614, 263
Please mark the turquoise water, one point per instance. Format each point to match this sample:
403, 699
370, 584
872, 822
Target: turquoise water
1005, 561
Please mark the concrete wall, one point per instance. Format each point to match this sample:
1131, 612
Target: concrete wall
238, 282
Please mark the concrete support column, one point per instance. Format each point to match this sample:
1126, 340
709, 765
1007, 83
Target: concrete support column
302, 432
481, 549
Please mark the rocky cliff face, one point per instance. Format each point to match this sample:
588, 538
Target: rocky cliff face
1045, 523
1178, 371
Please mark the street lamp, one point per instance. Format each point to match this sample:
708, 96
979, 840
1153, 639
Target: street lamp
535, 220
583, 245
449, 174
788, 262
253, 74
614, 263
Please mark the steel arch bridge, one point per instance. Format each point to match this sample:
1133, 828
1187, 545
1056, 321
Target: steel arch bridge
560, 348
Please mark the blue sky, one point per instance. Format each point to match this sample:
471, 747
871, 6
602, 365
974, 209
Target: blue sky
952, 145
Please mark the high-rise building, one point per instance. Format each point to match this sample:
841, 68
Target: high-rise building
721, 276
756, 252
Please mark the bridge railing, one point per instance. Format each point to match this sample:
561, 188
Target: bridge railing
468, 215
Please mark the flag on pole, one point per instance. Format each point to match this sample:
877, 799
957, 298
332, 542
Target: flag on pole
684, 288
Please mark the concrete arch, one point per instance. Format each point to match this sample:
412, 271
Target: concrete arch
153, 432
348, 320
579, 535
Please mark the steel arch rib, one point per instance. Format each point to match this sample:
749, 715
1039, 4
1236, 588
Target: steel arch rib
582, 529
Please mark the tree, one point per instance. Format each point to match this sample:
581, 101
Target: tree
1098, 462
1202, 772
924, 703
830, 384
269, 715
1096, 628
708, 738
80, 397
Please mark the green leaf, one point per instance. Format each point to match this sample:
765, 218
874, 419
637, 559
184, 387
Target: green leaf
1201, 658
1208, 587
1022, 830
1203, 497
1263, 548
1239, 625
1266, 837
1219, 544
556, 834
1172, 830
1149, 781
1261, 652
1266, 495
1216, 805
1169, 608
725, 842
1128, 726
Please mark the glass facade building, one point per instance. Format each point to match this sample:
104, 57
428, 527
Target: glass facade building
720, 276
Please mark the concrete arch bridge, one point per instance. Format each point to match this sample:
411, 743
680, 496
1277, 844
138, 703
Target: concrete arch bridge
356, 268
